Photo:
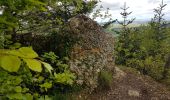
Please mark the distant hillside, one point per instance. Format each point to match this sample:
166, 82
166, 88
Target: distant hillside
167, 25
115, 28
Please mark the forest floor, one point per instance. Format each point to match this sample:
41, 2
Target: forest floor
130, 85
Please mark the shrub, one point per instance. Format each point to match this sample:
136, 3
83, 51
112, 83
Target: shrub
105, 79
24, 80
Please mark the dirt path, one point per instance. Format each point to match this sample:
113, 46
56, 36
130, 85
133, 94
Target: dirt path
128, 85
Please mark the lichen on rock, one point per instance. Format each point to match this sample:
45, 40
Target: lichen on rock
93, 51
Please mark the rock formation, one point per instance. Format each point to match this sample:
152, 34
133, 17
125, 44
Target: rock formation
93, 51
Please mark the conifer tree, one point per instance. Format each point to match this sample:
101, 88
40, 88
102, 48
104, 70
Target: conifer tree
158, 22
125, 15
122, 45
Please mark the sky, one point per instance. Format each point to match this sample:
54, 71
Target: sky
142, 10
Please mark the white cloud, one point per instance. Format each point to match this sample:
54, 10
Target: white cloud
142, 9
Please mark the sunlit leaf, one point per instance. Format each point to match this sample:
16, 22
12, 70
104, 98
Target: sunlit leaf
18, 89
14, 52
28, 97
46, 85
28, 52
3, 51
15, 96
47, 66
33, 64
24, 52
10, 63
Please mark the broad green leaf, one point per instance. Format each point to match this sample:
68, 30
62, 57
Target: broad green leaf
24, 52
10, 63
18, 89
14, 52
10, 52
33, 64
15, 96
4, 51
47, 66
46, 85
27, 97
28, 52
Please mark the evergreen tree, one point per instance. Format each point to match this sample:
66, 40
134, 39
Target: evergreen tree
123, 38
125, 15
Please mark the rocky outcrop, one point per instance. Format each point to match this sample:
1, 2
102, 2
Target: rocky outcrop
93, 51
130, 85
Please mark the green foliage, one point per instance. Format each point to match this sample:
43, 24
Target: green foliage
154, 67
12, 9
50, 57
11, 87
38, 80
141, 50
33, 64
10, 63
40, 18
105, 79
61, 97
1, 40
6, 42
40, 15
146, 48
25, 84
47, 66
65, 78
63, 75
59, 65
10, 60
